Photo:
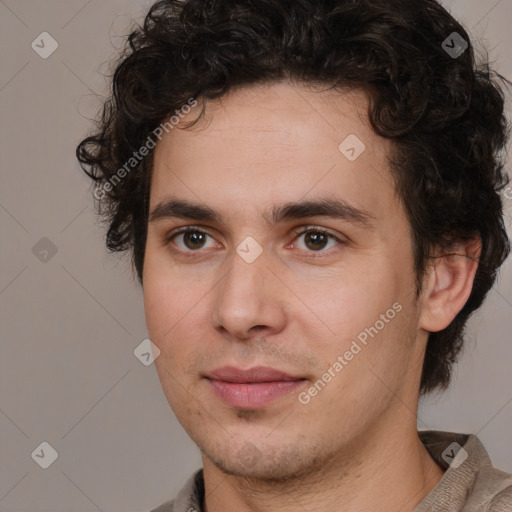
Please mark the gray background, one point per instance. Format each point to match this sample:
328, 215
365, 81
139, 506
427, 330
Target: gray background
68, 375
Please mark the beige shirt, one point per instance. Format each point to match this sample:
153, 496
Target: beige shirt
469, 484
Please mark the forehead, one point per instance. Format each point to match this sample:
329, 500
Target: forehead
267, 144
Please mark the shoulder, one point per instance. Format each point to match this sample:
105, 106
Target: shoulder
470, 481
501, 502
491, 488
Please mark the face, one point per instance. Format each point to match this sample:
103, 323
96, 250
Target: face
279, 283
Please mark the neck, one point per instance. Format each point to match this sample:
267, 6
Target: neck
389, 470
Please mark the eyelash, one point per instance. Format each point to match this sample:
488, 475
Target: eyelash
297, 233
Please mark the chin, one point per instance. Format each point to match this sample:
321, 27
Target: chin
270, 464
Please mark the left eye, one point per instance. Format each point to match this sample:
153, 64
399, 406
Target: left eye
316, 240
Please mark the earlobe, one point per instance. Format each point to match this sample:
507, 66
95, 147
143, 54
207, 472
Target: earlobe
448, 284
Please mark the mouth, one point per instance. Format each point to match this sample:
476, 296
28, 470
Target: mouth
253, 388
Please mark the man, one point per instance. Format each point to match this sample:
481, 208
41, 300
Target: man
311, 194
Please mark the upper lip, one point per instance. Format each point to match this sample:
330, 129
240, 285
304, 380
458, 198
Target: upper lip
251, 375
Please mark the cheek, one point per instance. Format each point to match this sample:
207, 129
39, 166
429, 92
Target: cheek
176, 317
372, 359
169, 320
158, 307
349, 300
166, 293
367, 323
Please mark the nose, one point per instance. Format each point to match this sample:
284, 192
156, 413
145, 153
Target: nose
250, 300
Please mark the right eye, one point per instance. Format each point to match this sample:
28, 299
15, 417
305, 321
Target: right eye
188, 239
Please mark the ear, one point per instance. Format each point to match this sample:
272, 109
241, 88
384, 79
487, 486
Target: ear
448, 284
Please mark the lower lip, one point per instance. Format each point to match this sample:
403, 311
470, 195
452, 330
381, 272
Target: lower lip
253, 396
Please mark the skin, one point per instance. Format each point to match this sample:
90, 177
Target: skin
297, 307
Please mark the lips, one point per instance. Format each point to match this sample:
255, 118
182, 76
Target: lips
253, 375
253, 388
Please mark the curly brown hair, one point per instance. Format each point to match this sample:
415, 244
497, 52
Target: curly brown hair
444, 112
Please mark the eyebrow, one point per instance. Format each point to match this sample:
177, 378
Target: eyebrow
332, 208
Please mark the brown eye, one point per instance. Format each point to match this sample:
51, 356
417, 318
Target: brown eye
194, 239
316, 240
190, 240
